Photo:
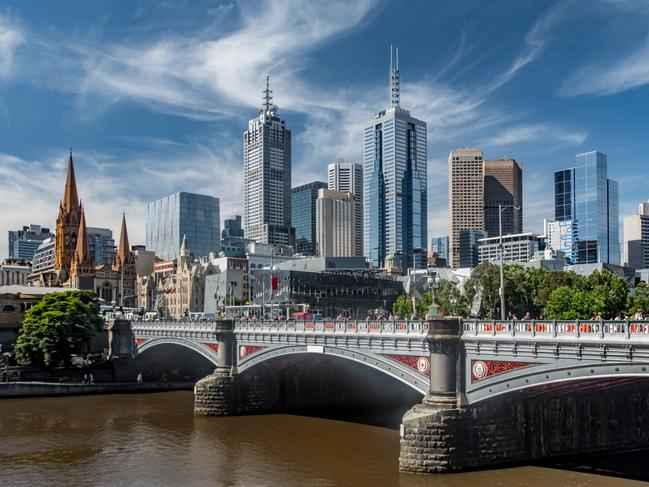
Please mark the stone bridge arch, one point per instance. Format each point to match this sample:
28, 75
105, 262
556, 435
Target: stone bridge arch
416, 380
206, 350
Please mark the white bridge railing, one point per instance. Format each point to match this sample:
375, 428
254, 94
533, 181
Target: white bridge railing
591, 329
336, 327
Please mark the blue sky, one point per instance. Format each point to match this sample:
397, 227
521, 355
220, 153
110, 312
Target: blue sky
154, 96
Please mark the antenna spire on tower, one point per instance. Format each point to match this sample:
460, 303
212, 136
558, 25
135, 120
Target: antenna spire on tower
268, 96
395, 80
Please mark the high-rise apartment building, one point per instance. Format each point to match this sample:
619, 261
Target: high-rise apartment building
195, 216
503, 185
102, 245
303, 202
465, 197
395, 208
23, 243
335, 223
585, 194
232, 227
636, 238
348, 177
267, 177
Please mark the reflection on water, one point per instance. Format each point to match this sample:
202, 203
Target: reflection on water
154, 440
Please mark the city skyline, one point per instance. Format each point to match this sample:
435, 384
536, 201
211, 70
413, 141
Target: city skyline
183, 135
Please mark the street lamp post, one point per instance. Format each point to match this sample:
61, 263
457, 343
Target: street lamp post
500, 245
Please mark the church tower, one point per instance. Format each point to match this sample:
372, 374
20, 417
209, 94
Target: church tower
124, 265
67, 225
83, 265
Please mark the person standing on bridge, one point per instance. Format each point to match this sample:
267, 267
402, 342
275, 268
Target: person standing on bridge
139, 378
639, 315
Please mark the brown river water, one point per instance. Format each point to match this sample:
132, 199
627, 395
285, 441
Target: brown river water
153, 439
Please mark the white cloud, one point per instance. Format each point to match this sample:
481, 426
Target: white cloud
11, 37
631, 71
548, 135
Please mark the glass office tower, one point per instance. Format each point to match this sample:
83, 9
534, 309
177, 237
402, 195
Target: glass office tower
585, 195
303, 201
395, 184
183, 214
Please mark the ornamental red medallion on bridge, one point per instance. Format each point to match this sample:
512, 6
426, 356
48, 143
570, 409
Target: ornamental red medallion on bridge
483, 369
418, 363
245, 350
139, 341
213, 346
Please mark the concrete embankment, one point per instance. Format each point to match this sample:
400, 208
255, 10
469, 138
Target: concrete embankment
40, 389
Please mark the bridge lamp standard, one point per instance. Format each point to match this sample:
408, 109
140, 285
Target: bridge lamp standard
500, 246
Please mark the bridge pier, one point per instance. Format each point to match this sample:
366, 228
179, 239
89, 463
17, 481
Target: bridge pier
217, 394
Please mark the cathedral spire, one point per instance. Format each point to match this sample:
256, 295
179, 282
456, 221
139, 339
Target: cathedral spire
123, 249
70, 200
83, 247
184, 248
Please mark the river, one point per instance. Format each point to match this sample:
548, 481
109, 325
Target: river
153, 439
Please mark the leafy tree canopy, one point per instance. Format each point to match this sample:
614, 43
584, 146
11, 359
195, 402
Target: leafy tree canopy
58, 326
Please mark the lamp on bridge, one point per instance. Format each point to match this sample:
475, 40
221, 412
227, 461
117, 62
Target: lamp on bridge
433, 311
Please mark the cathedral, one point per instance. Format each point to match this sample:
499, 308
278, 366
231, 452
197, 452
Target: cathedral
74, 266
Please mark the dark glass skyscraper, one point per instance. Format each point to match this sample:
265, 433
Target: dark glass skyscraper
395, 184
585, 195
303, 200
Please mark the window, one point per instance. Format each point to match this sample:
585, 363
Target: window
7, 308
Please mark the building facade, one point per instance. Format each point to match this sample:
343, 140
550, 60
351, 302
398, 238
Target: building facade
469, 255
232, 227
395, 192
520, 248
585, 194
439, 246
465, 198
181, 214
229, 285
102, 245
335, 224
303, 216
43, 263
348, 177
14, 272
636, 238
267, 176
563, 236
24, 243
503, 186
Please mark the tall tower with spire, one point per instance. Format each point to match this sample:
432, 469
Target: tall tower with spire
67, 225
395, 194
124, 268
267, 176
83, 265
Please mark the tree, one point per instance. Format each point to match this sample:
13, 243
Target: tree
640, 300
402, 307
484, 280
451, 301
58, 326
572, 303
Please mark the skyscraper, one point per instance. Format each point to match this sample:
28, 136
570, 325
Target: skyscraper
348, 177
267, 176
503, 185
195, 215
465, 197
395, 183
303, 201
335, 223
636, 238
585, 194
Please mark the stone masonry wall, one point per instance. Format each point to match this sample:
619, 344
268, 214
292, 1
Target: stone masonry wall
519, 430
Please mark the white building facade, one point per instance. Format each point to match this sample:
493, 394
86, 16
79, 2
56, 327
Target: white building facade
335, 224
348, 177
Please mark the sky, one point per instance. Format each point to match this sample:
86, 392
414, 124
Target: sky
154, 96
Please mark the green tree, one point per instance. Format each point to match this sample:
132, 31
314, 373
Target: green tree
423, 304
640, 300
402, 307
451, 300
485, 282
610, 290
58, 326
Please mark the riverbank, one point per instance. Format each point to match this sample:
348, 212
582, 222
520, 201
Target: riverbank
45, 389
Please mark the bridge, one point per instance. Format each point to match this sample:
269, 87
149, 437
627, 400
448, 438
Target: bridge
475, 377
